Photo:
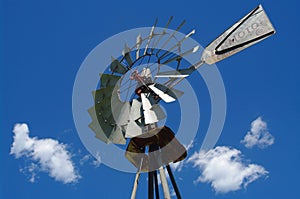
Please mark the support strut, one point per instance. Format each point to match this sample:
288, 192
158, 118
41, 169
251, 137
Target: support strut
173, 182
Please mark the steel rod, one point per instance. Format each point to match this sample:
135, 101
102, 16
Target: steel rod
164, 183
135, 185
150, 185
156, 185
136, 180
173, 182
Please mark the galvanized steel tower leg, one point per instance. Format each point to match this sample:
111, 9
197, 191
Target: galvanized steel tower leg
156, 184
136, 182
164, 183
150, 185
173, 182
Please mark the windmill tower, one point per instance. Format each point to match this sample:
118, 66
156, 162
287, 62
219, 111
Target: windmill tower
127, 104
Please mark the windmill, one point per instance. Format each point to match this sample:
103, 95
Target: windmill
127, 107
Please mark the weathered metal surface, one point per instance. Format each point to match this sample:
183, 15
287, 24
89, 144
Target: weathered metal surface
107, 119
253, 28
170, 150
117, 67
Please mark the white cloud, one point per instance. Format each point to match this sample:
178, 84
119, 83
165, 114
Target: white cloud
96, 161
172, 192
177, 166
30, 171
84, 159
258, 135
224, 169
47, 154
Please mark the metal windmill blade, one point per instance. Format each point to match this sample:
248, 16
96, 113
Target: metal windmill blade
151, 110
133, 127
107, 120
105, 124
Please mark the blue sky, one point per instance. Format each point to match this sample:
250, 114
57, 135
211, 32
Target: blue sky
43, 44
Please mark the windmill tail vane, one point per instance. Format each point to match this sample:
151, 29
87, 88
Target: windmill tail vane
127, 103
